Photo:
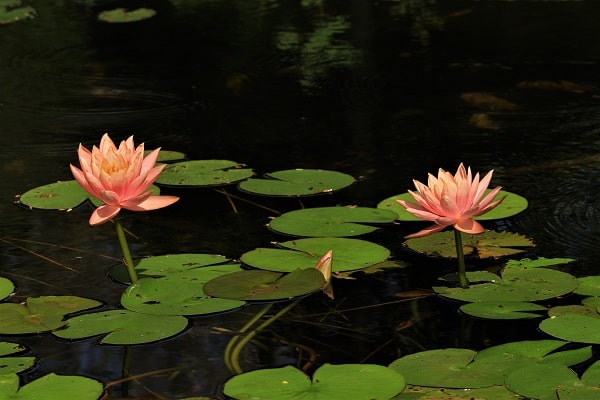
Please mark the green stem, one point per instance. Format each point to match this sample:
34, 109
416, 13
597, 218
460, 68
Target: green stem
460, 256
233, 341
126, 253
235, 354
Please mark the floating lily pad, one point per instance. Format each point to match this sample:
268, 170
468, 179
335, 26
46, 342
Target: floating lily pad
123, 327
503, 310
14, 10
427, 393
511, 205
13, 365
574, 327
51, 387
329, 382
176, 294
203, 173
331, 221
350, 254
588, 286
587, 389
485, 245
122, 15
541, 381
517, 283
165, 265
463, 368
40, 314
265, 285
167, 155
297, 182
6, 288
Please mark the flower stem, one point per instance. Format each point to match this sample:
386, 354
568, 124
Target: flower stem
460, 256
126, 253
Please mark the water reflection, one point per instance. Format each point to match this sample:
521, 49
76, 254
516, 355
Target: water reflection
373, 89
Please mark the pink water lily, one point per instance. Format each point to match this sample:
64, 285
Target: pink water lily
120, 177
324, 265
452, 200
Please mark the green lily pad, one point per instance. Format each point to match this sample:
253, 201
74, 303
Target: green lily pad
331, 221
122, 15
62, 195
517, 283
265, 285
123, 327
540, 381
587, 389
40, 314
463, 368
573, 327
167, 155
329, 382
14, 10
168, 264
588, 286
51, 387
427, 393
487, 244
203, 173
297, 182
6, 288
13, 365
348, 254
503, 309
175, 295
512, 205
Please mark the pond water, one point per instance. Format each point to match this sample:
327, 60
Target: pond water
385, 91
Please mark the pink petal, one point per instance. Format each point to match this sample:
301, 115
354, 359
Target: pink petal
104, 213
427, 231
152, 203
469, 225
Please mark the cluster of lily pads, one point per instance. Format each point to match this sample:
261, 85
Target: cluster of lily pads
174, 287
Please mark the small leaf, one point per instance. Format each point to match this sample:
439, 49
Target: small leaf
123, 327
14, 10
6, 288
122, 15
503, 309
297, 182
573, 327
62, 195
540, 381
203, 173
331, 221
60, 387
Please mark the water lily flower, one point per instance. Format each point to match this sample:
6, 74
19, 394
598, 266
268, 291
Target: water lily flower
324, 265
120, 177
452, 200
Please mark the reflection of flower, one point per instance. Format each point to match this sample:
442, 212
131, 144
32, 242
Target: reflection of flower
120, 177
324, 265
452, 200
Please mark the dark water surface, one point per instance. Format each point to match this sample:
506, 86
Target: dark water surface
383, 90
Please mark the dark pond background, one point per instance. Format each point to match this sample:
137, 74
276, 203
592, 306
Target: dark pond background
383, 90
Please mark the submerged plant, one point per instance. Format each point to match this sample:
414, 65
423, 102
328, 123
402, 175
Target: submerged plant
453, 200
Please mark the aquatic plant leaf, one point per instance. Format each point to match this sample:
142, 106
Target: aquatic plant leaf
503, 310
6, 288
350, 254
329, 382
40, 314
578, 309
593, 302
573, 327
297, 182
13, 365
167, 155
587, 389
265, 285
538, 262
176, 294
540, 381
62, 195
427, 393
512, 205
51, 387
448, 368
14, 10
203, 173
123, 327
588, 286
168, 264
331, 221
122, 15
517, 283
487, 244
